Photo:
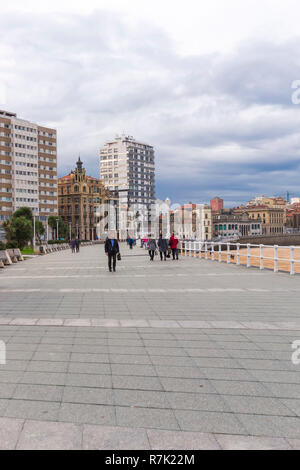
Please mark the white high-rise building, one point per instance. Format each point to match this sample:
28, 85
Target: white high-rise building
127, 168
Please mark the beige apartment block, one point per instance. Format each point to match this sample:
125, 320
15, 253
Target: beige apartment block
272, 220
28, 167
272, 202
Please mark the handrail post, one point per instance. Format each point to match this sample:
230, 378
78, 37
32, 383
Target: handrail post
220, 252
213, 251
206, 251
238, 254
248, 256
228, 252
261, 256
275, 258
292, 260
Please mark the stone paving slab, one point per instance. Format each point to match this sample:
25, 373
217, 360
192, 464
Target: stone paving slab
26, 434
180, 355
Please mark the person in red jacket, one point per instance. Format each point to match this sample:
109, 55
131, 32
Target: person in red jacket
173, 242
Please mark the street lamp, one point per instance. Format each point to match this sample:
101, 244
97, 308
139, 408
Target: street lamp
33, 232
57, 220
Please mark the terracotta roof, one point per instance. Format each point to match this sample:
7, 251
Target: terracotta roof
71, 175
66, 177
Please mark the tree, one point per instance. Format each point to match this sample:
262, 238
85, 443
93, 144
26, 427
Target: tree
39, 229
24, 212
62, 228
20, 230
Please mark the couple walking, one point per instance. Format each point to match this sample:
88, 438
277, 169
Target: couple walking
75, 245
163, 244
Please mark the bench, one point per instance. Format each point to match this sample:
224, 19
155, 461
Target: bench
18, 254
12, 255
5, 258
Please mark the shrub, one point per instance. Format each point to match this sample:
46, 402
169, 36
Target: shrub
12, 244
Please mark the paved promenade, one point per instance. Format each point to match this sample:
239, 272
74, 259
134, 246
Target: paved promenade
188, 354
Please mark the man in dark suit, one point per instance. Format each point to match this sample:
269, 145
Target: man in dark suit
111, 250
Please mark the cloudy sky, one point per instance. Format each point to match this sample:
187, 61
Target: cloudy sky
207, 83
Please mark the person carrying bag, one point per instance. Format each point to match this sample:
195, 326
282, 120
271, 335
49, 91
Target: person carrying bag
112, 251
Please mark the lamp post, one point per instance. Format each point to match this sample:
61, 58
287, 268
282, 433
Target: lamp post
33, 233
57, 220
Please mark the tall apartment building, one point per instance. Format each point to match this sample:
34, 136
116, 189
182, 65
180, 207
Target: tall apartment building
28, 167
127, 166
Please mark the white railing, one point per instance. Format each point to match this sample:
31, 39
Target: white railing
233, 252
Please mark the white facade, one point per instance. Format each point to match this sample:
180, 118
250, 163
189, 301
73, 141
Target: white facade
127, 168
193, 222
25, 165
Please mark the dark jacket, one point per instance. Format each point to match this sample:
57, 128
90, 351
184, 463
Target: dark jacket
111, 249
162, 244
152, 244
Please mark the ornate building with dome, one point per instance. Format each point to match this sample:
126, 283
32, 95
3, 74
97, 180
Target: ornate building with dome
79, 199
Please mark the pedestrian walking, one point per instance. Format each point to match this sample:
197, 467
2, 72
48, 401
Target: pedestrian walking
173, 242
73, 245
112, 250
131, 243
152, 246
77, 245
163, 247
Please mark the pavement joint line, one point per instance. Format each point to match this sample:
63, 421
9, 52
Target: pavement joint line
156, 438
144, 323
150, 290
119, 405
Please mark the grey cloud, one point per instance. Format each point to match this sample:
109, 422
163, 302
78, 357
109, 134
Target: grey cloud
218, 122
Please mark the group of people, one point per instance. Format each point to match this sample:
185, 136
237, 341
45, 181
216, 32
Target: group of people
165, 247
75, 245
